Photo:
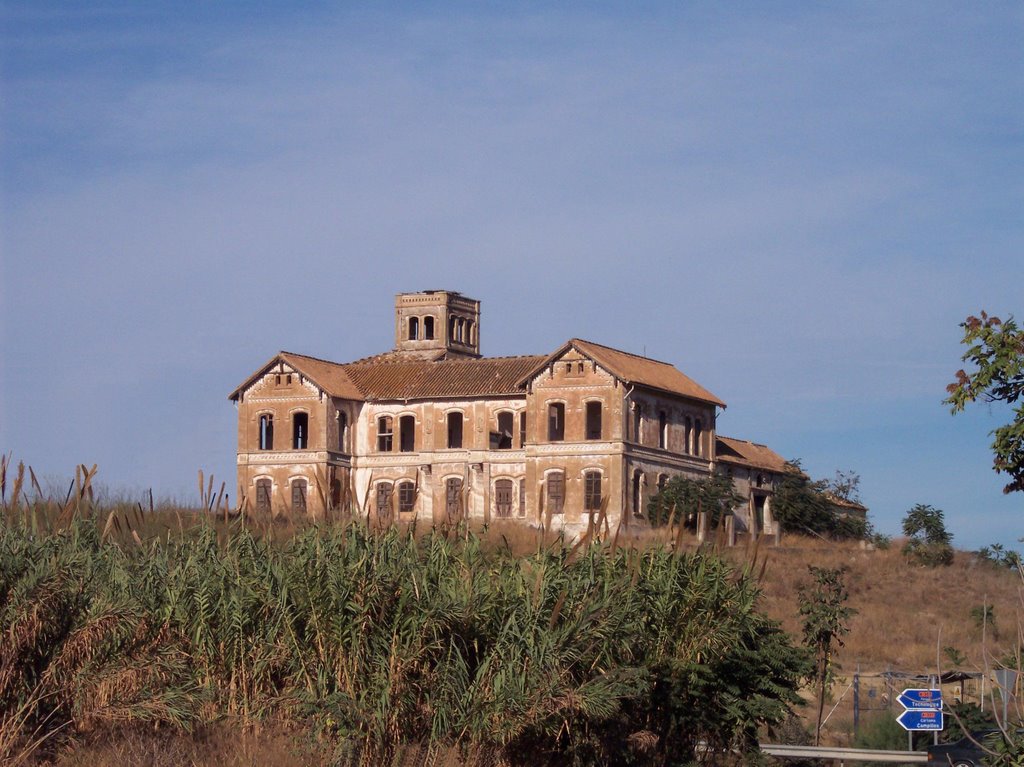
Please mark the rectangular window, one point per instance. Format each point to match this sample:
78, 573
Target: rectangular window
455, 430
342, 431
266, 432
662, 429
556, 492
504, 433
385, 435
453, 498
503, 498
384, 500
522, 497
698, 438
263, 488
407, 436
592, 490
300, 431
522, 429
593, 420
406, 497
556, 422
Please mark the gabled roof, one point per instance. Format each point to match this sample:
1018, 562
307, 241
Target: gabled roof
386, 377
743, 453
329, 376
633, 369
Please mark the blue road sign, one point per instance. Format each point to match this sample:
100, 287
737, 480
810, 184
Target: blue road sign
914, 698
920, 719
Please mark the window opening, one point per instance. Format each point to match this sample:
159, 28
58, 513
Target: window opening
698, 438
470, 332
406, 496
342, 431
593, 420
263, 490
300, 431
522, 497
455, 430
428, 328
522, 429
592, 490
288, 379
299, 496
503, 498
556, 422
502, 438
385, 435
637, 492
662, 429
555, 492
266, 432
414, 328
688, 436
451, 328
407, 435
638, 414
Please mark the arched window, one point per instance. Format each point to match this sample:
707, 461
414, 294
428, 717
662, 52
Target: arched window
592, 490
300, 431
263, 495
385, 433
407, 434
593, 420
503, 498
428, 328
502, 438
454, 430
470, 332
299, 496
266, 432
451, 329
414, 328
406, 496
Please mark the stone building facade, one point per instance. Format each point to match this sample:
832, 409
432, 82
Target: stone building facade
434, 431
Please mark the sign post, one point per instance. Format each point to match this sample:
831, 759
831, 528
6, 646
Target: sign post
922, 710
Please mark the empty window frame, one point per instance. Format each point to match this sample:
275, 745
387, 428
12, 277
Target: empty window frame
455, 430
503, 498
299, 496
522, 429
406, 497
300, 431
555, 491
266, 427
452, 322
264, 487
594, 420
342, 419
638, 423
470, 332
556, 422
428, 328
698, 437
407, 433
688, 435
592, 490
504, 433
385, 434
662, 429
414, 328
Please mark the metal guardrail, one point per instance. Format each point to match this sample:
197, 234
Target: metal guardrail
845, 754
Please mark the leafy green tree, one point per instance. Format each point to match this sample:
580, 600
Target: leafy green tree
826, 620
803, 505
683, 497
995, 349
929, 543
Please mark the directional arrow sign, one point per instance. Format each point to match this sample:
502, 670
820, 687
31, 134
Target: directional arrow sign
914, 698
920, 719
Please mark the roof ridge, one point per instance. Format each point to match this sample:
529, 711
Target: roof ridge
745, 441
310, 357
623, 351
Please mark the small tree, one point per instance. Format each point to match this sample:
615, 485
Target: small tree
929, 543
826, 618
684, 497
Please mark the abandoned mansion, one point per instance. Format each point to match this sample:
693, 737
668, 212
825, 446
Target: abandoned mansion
434, 431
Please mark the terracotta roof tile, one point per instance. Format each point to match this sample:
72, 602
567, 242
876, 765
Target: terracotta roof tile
744, 453
635, 369
488, 376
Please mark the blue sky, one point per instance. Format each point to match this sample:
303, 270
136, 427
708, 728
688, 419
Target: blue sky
794, 203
